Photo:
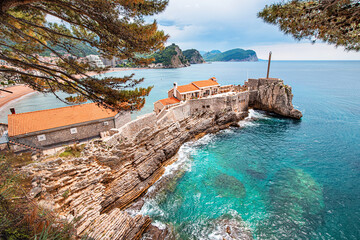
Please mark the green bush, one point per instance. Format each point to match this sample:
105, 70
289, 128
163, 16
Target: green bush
72, 151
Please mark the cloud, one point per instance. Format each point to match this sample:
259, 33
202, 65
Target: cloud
227, 24
305, 51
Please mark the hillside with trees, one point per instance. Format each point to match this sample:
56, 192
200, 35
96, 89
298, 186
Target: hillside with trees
234, 55
193, 56
171, 57
80, 49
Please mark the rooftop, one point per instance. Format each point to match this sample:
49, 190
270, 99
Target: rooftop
169, 101
29, 122
187, 88
206, 83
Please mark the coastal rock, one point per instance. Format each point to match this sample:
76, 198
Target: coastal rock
272, 95
114, 173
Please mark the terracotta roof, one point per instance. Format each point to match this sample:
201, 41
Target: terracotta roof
206, 83
187, 88
53, 118
169, 101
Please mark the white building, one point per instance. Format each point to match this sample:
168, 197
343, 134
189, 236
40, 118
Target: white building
95, 61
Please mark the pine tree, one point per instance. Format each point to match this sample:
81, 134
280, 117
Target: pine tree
115, 28
333, 21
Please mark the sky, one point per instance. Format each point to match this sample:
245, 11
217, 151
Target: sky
226, 24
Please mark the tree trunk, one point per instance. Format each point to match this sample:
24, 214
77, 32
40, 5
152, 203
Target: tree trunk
7, 4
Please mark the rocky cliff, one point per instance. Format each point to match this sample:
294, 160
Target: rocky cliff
193, 56
98, 189
272, 95
171, 57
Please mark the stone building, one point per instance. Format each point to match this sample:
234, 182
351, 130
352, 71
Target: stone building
165, 104
194, 90
61, 126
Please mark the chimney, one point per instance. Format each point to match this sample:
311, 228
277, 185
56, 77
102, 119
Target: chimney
214, 79
12, 110
175, 88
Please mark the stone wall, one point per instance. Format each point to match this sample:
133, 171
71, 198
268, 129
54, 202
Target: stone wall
63, 135
122, 118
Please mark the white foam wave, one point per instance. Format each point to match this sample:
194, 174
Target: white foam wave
255, 115
151, 208
159, 225
249, 121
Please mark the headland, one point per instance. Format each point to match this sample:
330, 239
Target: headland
115, 172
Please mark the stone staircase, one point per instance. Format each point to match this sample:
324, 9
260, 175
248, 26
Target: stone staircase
25, 145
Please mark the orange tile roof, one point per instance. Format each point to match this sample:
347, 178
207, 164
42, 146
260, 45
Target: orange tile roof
187, 88
169, 101
58, 117
206, 83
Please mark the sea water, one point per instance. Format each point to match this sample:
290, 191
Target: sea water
279, 178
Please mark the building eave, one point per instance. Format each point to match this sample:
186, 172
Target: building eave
61, 128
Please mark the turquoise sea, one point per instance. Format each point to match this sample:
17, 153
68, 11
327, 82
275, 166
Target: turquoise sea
280, 178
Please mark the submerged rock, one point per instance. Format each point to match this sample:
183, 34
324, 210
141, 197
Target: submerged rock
228, 186
256, 174
297, 206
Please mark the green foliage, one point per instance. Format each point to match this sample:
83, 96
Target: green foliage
193, 54
211, 54
81, 50
333, 21
165, 56
231, 55
113, 28
72, 151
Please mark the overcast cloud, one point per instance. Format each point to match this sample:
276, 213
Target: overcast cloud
223, 25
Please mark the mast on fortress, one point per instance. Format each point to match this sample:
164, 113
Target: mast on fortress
268, 70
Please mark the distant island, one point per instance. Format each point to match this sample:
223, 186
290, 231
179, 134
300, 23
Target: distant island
193, 56
173, 57
234, 55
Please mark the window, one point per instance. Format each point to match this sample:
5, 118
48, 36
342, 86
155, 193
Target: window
73, 130
106, 123
41, 137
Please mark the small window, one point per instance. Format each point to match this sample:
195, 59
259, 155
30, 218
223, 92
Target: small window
106, 123
73, 130
41, 137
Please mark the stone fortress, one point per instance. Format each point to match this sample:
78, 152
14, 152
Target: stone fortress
113, 175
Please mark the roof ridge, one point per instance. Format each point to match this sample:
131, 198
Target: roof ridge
51, 109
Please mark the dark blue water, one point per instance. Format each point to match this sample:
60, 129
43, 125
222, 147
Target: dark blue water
282, 179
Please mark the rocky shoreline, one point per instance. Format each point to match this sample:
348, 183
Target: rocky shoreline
95, 190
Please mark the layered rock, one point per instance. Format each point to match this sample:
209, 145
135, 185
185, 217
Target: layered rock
97, 188
272, 95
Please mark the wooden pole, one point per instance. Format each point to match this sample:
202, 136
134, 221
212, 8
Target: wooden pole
268, 70
5, 91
